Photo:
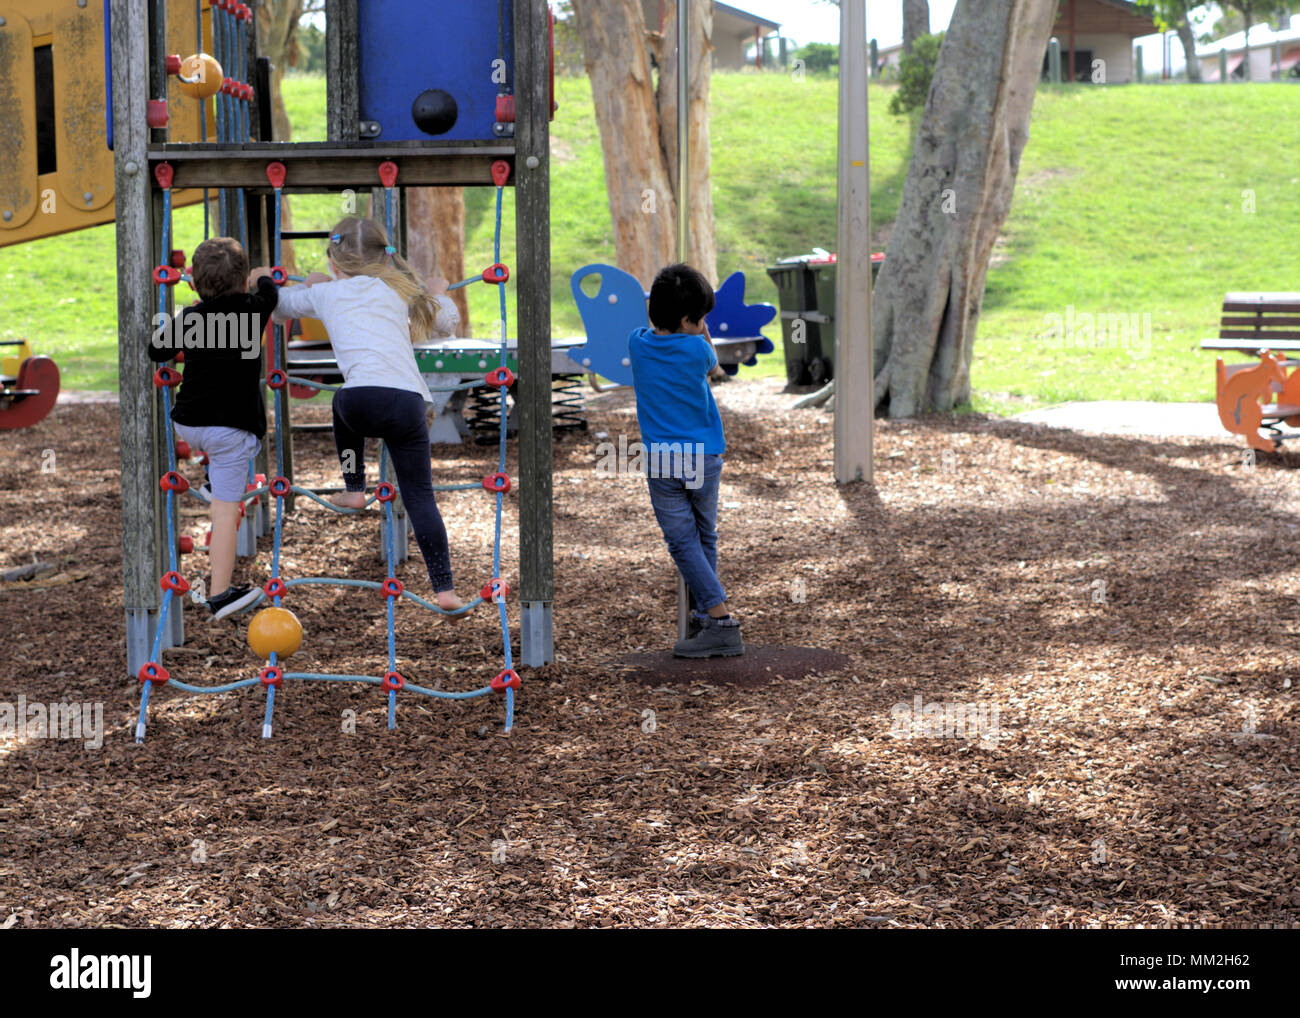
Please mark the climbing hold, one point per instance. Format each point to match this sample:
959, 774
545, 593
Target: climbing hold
500, 378
166, 376
275, 631
172, 481
434, 111
200, 76
497, 482
177, 259
185, 544
163, 173
508, 679
153, 672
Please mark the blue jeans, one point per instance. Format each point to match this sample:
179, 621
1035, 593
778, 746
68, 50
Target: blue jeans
688, 517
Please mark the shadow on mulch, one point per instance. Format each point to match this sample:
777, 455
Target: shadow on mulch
756, 667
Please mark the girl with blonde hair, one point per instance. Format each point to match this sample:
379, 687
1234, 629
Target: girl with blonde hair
374, 307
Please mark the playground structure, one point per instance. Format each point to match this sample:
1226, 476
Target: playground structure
1263, 395
250, 174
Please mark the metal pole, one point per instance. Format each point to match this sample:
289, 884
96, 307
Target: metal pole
854, 391
683, 210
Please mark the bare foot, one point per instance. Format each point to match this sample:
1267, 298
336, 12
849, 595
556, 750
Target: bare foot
349, 499
448, 602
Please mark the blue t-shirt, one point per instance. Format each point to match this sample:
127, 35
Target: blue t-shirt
674, 403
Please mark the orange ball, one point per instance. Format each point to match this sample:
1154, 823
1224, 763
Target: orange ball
275, 629
204, 74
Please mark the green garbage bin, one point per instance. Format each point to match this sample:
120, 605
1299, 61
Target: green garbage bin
806, 288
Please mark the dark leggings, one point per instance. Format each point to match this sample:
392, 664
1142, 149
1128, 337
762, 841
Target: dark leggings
395, 416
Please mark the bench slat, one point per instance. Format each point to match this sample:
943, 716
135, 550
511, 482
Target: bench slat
1252, 346
1259, 321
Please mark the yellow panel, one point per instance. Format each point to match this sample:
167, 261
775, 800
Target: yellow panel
85, 167
183, 124
18, 194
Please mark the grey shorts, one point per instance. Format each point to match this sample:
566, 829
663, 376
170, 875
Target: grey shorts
229, 450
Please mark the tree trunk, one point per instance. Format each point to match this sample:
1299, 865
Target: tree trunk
1188, 40
639, 173
277, 28
435, 239
702, 251
959, 184
916, 21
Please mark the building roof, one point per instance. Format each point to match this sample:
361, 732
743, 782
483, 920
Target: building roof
718, 8
1260, 36
1103, 17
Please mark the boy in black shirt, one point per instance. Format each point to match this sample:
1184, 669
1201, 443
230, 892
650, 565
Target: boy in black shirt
219, 407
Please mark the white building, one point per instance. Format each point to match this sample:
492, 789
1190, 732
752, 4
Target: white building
1273, 55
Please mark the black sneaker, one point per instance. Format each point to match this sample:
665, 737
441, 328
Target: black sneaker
716, 638
231, 600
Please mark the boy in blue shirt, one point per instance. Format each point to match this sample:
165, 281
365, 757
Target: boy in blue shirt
683, 445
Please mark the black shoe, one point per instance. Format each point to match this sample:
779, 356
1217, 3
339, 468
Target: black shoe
716, 638
231, 600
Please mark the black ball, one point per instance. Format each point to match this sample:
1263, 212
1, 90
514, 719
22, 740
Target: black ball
434, 111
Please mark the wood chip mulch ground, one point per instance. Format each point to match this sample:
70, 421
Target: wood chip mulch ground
1119, 614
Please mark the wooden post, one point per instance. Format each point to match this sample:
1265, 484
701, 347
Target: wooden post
341, 64
1071, 42
141, 508
854, 389
533, 301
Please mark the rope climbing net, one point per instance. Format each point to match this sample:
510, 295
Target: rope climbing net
173, 484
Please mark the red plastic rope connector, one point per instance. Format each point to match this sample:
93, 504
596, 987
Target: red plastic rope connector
388, 173
174, 582
497, 273
385, 492
496, 482
182, 449
176, 259
275, 173
276, 378
275, 587
185, 544
500, 172
155, 115
153, 672
392, 587
166, 376
271, 676
501, 683
227, 86
173, 63
499, 378
164, 173
165, 275
280, 486
278, 276
172, 481
392, 680
495, 589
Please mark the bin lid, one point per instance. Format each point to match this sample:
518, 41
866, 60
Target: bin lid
829, 259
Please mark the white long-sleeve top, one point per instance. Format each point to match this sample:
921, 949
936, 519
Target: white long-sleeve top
369, 329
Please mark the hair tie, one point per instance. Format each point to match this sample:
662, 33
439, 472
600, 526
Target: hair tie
390, 249
336, 238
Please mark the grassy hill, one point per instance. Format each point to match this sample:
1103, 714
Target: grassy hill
1131, 201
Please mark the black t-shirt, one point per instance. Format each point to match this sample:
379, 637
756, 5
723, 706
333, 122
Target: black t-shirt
222, 369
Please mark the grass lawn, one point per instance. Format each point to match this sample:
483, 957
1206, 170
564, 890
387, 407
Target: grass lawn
1143, 202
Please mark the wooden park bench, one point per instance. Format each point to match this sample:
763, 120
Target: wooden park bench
1258, 395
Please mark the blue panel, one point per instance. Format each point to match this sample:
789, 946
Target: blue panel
407, 46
